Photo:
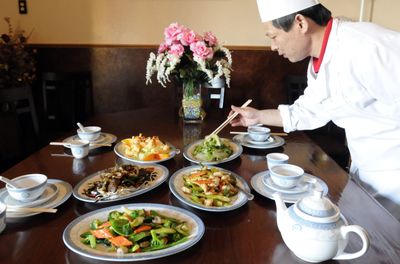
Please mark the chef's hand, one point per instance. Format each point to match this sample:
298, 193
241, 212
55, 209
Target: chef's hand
247, 116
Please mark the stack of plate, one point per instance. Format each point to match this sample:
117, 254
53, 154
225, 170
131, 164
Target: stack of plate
55, 193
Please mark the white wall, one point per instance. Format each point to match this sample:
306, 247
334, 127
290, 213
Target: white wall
136, 22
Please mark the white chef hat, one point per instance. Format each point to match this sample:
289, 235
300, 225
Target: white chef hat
273, 9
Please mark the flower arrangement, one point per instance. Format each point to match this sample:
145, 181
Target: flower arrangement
190, 58
17, 64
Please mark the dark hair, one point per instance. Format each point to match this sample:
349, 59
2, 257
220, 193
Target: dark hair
318, 13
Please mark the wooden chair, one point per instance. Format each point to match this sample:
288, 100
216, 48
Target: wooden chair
19, 131
67, 99
216, 91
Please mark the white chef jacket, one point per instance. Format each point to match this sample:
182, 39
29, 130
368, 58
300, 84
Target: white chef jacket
358, 88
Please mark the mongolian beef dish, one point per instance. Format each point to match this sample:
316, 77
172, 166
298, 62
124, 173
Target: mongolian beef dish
120, 180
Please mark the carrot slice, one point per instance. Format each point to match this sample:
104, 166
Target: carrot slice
105, 224
197, 174
101, 233
120, 241
142, 228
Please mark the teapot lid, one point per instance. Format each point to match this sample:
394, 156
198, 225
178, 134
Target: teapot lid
317, 208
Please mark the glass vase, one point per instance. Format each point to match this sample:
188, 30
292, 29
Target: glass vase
192, 111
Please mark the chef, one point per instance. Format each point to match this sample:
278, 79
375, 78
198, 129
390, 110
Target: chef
353, 80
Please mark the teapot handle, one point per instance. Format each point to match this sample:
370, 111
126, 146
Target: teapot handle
362, 234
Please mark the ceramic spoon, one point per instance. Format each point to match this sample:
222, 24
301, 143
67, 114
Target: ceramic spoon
249, 195
9, 182
81, 127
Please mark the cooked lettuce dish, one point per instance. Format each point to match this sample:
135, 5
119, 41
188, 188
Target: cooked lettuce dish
134, 231
212, 149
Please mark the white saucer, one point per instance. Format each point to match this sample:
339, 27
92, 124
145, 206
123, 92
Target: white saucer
301, 187
244, 141
48, 193
64, 192
258, 185
270, 140
104, 138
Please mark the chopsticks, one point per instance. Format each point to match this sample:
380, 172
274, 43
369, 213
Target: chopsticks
229, 119
31, 210
91, 144
245, 133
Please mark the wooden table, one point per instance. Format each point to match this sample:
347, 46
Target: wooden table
246, 235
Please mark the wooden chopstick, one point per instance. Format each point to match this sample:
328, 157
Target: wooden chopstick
229, 119
245, 133
31, 210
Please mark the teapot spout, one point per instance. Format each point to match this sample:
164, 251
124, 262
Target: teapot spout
280, 207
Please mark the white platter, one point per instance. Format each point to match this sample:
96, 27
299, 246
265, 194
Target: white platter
119, 150
187, 152
176, 182
162, 175
72, 240
257, 182
245, 141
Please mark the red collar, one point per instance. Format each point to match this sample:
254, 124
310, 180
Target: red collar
318, 61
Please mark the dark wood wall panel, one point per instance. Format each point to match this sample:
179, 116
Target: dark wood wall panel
118, 76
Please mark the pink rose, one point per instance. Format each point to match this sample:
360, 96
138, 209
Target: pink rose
187, 37
163, 47
176, 49
210, 38
171, 33
201, 50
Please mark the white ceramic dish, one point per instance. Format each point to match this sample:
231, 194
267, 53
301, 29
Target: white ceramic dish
49, 192
299, 188
119, 150
91, 133
176, 182
244, 141
31, 186
64, 192
104, 138
264, 190
162, 175
187, 152
72, 240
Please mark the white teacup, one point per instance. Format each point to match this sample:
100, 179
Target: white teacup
79, 148
3, 209
286, 175
258, 133
276, 159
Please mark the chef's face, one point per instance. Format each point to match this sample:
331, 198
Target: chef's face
293, 45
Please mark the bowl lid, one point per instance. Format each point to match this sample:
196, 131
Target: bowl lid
317, 208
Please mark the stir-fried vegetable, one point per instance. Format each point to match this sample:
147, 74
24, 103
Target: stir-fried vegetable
120, 180
212, 149
210, 186
136, 231
145, 148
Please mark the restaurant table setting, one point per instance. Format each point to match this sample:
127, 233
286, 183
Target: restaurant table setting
138, 204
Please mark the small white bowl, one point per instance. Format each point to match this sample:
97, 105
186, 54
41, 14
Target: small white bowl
286, 175
91, 133
258, 133
31, 186
79, 148
3, 209
274, 159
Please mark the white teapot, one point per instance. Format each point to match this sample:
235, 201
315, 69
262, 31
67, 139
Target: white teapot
315, 231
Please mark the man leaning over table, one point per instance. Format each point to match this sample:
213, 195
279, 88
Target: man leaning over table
353, 80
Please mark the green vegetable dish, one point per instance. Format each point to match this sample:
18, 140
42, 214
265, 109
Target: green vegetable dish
210, 187
213, 148
133, 231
